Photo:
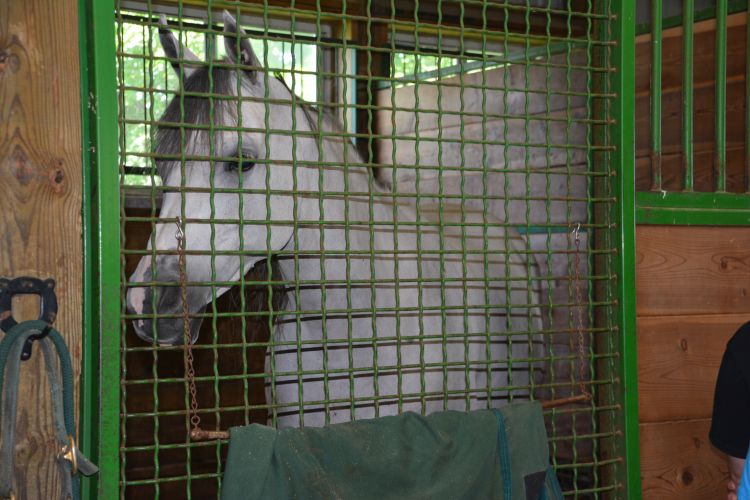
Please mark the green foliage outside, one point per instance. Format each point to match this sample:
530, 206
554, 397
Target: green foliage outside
409, 66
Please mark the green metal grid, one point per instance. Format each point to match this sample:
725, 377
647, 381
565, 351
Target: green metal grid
594, 446
100, 372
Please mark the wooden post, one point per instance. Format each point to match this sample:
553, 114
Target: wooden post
370, 64
40, 201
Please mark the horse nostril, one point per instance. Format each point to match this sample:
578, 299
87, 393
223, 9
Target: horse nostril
166, 329
144, 329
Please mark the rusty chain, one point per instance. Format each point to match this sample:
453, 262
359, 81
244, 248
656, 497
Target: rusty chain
579, 308
195, 419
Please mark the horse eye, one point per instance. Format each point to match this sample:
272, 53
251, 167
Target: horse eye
243, 165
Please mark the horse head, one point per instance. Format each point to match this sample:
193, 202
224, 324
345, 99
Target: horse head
224, 152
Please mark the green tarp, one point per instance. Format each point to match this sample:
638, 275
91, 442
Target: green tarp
499, 454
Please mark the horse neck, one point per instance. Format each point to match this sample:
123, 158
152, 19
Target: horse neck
345, 230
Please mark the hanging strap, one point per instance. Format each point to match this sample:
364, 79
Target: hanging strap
70, 459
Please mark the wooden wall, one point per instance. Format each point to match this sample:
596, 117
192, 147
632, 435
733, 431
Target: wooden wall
692, 294
40, 201
692, 282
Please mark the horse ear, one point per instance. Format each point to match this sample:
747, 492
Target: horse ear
176, 52
244, 55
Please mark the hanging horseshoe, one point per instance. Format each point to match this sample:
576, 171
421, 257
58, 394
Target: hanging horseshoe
22, 286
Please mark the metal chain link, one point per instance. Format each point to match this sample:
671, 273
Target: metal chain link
195, 419
579, 307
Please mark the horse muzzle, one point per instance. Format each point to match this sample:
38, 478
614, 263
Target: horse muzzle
167, 323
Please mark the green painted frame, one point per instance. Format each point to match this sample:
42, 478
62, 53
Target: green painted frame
100, 388
623, 134
693, 209
100, 380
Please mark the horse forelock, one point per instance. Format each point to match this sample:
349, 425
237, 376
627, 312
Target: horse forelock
208, 97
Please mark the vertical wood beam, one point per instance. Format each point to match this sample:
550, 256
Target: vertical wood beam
40, 201
370, 64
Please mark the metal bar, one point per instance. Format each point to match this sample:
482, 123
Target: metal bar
623, 134
100, 380
555, 403
88, 438
708, 209
688, 9
661, 216
720, 164
656, 33
702, 201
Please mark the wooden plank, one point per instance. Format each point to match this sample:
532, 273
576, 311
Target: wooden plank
703, 55
709, 25
692, 270
452, 16
678, 360
704, 110
678, 462
40, 199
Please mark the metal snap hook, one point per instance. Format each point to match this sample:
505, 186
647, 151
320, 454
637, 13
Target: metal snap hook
180, 234
68, 452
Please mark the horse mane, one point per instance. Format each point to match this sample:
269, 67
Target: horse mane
262, 297
202, 95
211, 90
310, 110
334, 125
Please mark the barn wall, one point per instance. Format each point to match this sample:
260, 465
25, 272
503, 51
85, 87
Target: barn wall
40, 202
692, 282
692, 295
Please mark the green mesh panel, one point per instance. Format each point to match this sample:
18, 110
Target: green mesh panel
437, 158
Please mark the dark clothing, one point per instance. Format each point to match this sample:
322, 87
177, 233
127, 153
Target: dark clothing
730, 424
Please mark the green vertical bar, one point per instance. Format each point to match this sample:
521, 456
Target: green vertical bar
721, 97
100, 378
89, 398
623, 137
688, 19
656, 18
